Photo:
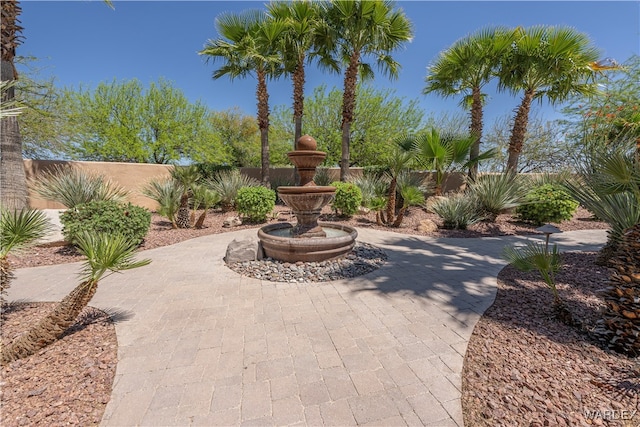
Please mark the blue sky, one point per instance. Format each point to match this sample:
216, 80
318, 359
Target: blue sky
86, 42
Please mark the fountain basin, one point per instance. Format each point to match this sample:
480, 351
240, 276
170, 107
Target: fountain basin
279, 243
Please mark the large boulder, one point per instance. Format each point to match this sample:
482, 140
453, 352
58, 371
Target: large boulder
242, 249
232, 221
427, 226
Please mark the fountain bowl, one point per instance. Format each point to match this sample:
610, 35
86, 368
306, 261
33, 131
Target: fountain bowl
278, 243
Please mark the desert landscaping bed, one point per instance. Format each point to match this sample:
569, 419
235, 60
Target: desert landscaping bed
522, 367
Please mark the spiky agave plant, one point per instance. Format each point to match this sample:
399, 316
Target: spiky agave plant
227, 184
18, 231
106, 253
72, 186
497, 192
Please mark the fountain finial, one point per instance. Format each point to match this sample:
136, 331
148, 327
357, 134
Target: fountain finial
306, 143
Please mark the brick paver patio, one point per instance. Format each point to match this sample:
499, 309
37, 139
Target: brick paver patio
205, 346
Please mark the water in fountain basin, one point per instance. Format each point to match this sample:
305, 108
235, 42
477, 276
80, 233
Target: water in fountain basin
287, 232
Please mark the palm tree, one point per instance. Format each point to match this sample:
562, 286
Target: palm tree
187, 177
18, 231
549, 63
465, 68
203, 198
105, 253
249, 45
442, 153
302, 19
13, 182
358, 29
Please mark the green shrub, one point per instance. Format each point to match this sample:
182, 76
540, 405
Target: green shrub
457, 211
109, 217
547, 203
348, 198
255, 203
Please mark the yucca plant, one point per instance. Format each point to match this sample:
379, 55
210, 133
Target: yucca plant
105, 253
609, 187
203, 198
167, 193
19, 230
187, 176
536, 256
72, 186
372, 187
411, 196
322, 177
227, 184
457, 211
497, 192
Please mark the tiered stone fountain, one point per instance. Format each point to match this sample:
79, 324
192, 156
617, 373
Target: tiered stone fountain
307, 240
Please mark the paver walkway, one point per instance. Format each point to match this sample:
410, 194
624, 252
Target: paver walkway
205, 346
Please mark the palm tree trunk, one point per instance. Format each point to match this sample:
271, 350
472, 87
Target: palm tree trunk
391, 201
263, 124
519, 131
476, 131
298, 99
6, 276
400, 217
201, 218
182, 218
298, 108
348, 107
13, 182
51, 327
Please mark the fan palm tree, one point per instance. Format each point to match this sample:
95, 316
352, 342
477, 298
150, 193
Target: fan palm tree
357, 30
204, 198
549, 63
464, 69
187, 177
13, 181
18, 231
249, 45
105, 253
303, 21
442, 153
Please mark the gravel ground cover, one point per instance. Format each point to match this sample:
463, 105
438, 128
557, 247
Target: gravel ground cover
522, 366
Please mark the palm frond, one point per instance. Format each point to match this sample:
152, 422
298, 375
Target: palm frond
21, 229
106, 252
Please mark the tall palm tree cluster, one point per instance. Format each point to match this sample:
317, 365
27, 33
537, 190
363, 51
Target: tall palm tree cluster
338, 35
536, 63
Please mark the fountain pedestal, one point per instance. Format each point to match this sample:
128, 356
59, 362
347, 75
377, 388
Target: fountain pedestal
307, 240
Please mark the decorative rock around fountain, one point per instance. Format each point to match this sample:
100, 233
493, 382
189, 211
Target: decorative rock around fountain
307, 240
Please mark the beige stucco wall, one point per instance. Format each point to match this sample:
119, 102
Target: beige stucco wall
131, 176
134, 176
